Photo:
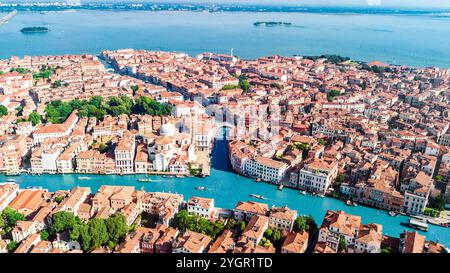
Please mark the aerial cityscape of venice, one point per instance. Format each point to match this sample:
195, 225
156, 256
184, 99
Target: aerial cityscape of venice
140, 127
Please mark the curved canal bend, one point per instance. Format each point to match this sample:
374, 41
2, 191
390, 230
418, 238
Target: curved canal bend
227, 188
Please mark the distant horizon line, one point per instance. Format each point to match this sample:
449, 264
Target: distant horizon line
283, 5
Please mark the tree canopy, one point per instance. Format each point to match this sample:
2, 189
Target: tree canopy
198, 224
3, 111
58, 111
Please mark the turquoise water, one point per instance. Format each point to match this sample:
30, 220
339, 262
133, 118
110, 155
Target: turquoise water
227, 189
418, 40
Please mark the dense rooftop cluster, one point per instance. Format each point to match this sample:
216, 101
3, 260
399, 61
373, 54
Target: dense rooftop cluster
371, 133
122, 219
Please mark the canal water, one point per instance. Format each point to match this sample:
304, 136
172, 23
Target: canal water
227, 188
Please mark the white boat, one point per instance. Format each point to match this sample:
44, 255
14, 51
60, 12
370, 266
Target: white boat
393, 213
257, 196
144, 180
280, 187
321, 195
303, 192
84, 178
11, 180
200, 188
419, 224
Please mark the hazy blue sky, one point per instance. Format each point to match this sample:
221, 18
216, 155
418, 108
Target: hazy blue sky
382, 3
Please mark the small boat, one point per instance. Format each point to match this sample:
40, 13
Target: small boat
179, 176
84, 178
11, 180
393, 213
200, 188
303, 192
258, 179
321, 195
144, 180
349, 202
443, 224
280, 187
257, 196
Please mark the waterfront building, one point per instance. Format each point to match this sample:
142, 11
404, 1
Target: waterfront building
317, 175
124, 154
266, 169
417, 193
8, 192
244, 211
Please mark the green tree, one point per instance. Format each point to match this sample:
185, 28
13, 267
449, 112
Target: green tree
58, 199
231, 224
11, 216
439, 178
34, 118
12, 246
387, 249
241, 226
44, 235
63, 221
56, 84
3, 110
244, 84
300, 224
342, 245
98, 232
85, 237
134, 88
116, 226
230, 86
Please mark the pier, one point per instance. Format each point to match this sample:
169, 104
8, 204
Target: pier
7, 17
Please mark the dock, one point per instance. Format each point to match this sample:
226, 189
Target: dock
7, 17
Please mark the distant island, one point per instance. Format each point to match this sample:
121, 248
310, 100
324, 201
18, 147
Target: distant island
271, 24
34, 30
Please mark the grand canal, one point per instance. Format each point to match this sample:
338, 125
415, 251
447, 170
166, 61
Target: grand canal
227, 188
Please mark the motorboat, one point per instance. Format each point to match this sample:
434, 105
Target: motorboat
84, 178
393, 213
280, 187
257, 196
144, 180
200, 188
303, 192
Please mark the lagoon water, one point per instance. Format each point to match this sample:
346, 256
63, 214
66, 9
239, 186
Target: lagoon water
410, 40
417, 40
227, 188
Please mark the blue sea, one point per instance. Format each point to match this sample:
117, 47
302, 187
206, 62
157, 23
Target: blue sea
406, 39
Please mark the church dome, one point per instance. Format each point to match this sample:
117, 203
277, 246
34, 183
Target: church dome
167, 129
